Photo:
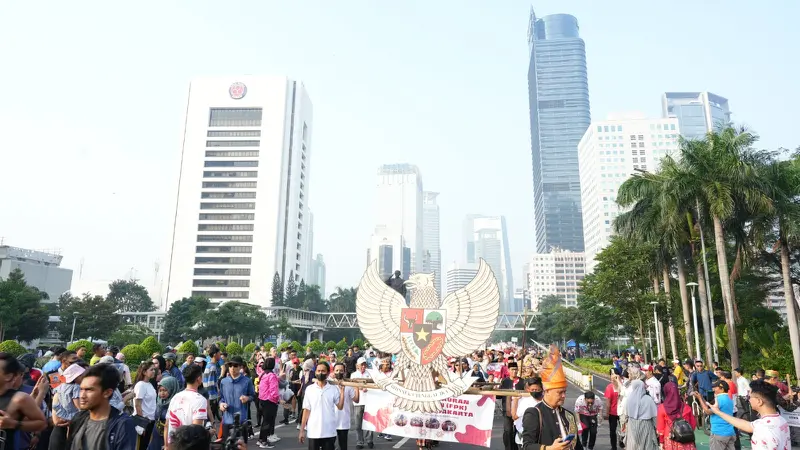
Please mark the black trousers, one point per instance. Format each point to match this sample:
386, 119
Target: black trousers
58, 438
341, 437
214, 405
508, 433
322, 444
612, 424
269, 411
589, 433
226, 431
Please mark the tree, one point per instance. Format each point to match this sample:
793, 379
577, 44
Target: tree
96, 317
130, 296
12, 347
290, 299
277, 291
238, 319
342, 300
22, 315
185, 318
310, 298
129, 334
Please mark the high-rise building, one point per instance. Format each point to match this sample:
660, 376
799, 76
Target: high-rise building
487, 237
399, 215
522, 299
42, 270
242, 207
391, 252
558, 95
317, 273
430, 236
610, 152
459, 275
697, 112
556, 273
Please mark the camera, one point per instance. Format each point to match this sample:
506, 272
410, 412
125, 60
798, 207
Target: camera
231, 443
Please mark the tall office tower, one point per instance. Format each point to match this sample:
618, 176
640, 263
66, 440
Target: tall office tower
558, 95
487, 237
399, 213
459, 275
522, 299
430, 236
610, 152
308, 246
697, 112
391, 252
318, 272
42, 270
242, 207
556, 273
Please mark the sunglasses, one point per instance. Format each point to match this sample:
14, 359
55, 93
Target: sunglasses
234, 365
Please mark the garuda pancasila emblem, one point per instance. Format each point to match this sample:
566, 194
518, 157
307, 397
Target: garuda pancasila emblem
426, 332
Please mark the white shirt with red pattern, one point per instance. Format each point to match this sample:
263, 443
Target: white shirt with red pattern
771, 433
184, 408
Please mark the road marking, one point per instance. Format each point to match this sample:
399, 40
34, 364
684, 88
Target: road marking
400, 444
280, 425
600, 392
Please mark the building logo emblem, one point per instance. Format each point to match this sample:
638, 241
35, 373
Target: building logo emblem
237, 90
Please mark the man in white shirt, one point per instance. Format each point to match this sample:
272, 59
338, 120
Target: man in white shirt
652, 384
187, 407
358, 410
320, 402
519, 405
742, 390
351, 396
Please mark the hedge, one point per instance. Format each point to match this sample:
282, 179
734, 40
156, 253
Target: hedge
150, 345
250, 348
82, 343
221, 346
12, 347
135, 354
188, 347
234, 349
600, 365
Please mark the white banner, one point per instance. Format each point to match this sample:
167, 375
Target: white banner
466, 419
793, 417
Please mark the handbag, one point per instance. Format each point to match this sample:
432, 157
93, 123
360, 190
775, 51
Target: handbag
681, 432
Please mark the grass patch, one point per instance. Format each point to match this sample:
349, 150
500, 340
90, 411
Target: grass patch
599, 365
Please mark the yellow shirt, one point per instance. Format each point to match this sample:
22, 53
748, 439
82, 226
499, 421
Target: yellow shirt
679, 375
95, 359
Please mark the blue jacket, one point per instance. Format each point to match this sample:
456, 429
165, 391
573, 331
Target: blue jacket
120, 432
229, 392
176, 373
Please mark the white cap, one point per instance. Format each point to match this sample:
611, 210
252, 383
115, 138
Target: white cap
361, 361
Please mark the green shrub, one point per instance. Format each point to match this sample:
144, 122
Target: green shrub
316, 346
298, 347
134, 355
359, 343
82, 343
599, 365
188, 347
250, 348
235, 349
12, 347
221, 346
341, 347
150, 345
269, 346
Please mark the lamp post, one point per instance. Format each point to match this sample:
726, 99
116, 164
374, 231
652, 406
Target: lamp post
74, 319
694, 314
655, 325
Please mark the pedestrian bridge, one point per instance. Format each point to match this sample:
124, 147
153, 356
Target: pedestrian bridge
320, 321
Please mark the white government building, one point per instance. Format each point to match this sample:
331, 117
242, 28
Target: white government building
556, 273
242, 204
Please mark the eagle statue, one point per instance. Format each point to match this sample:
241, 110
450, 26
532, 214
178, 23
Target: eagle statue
424, 333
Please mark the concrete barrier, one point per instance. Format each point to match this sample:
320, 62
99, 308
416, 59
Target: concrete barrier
585, 382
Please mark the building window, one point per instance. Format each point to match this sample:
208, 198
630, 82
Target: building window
305, 132
235, 117
225, 238
599, 129
241, 174
233, 143
228, 205
235, 133
605, 128
641, 144
224, 249
225, 227
221, 294
641, 137
672, 126
230, 184
220, 283
204, 271
231, 164
222, 260
232, 154
228, 195
633, 137
249, 216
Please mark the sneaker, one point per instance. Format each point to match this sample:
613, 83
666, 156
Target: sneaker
261, 444
298, 426
387, 437
292, 419
371, 445
360, 446
273, 439
284, 422
270, 445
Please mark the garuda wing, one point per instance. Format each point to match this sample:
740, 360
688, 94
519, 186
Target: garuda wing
378, 308
471, 313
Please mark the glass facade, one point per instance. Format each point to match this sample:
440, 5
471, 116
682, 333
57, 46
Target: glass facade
558, 90
697, 112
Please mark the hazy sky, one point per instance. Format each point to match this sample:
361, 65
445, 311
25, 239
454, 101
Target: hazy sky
92, 95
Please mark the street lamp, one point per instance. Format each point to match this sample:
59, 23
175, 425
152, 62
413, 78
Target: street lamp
74, 319
694, 314
655, 325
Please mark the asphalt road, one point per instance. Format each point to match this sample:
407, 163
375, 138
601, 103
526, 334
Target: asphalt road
288, 434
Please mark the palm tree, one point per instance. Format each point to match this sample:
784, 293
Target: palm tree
343, 300
720, 171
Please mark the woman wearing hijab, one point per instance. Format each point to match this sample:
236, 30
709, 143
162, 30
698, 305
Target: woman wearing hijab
167, 388
672, 408
641, 412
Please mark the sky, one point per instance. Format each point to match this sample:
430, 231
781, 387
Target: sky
92, 96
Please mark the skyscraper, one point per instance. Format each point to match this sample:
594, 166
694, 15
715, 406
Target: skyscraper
430, 236
459, 275
399, 216
556, 273
558, 95
486, 237
242, 207
697, 112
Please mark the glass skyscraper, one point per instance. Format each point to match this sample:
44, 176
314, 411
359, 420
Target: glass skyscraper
697, 112
558, 90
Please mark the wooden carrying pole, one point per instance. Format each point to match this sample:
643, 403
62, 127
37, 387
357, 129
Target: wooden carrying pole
365, 383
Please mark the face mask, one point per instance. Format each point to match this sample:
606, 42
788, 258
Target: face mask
537, 395
339, 376
322, 376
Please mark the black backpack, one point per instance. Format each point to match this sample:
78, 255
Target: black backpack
681, 432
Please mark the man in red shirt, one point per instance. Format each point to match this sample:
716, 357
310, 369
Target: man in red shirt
733, 390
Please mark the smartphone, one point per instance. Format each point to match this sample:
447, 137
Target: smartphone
569, 438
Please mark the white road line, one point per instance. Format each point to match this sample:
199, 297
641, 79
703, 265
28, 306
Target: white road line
280, 425
600, 392
400, 444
